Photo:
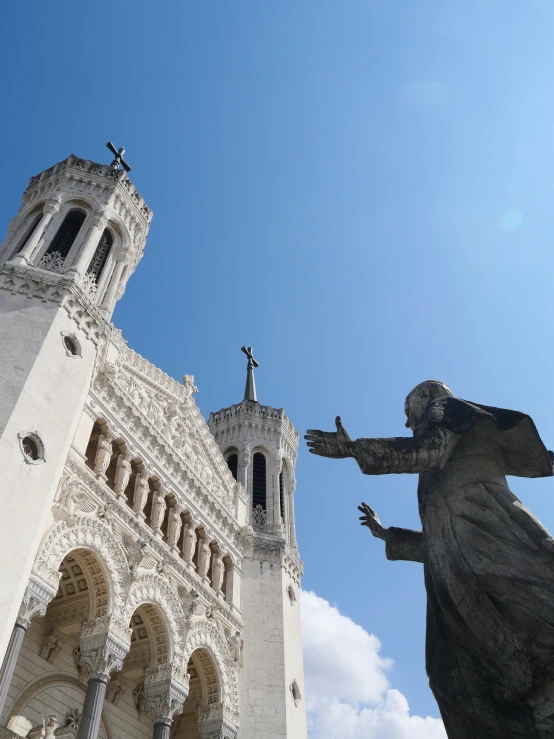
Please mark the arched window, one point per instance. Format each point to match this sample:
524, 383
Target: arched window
100, 257
67, 233
28, 233
282, 496
258, 481
233, 463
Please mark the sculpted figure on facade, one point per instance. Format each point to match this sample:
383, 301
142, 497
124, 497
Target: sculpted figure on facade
104, 453
123, 473
158, 509
141, 493
236, 644
52, 644
175, 522
488, 562
189, 543
204, 556
115, 691
46, 729
218, 572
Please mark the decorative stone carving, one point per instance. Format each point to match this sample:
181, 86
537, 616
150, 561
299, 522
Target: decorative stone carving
45, 730
204, 555
158, 509
38, 595
189, 543
135, 550
115, 691
236, 645
174, 525
52, 644
104, 453
99, 653
165, 696
141, 493
259, 517
53, 261
190, 603
218, 572
140, 700
122, 473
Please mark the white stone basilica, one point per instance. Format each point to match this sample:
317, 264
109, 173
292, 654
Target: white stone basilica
150, 579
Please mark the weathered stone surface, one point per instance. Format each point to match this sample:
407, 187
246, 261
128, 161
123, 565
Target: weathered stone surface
488, 563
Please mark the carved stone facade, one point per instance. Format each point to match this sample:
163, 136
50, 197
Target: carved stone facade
131, 594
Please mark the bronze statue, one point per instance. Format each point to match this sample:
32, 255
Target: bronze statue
488, 563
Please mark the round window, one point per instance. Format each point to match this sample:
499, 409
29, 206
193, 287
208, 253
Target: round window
30, 447
70, 345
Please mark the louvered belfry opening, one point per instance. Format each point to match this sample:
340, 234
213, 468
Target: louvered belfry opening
282, 495
67, 233
233, 464
100, 257
259, 481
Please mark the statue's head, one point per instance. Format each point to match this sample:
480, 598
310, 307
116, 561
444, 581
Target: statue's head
420, 397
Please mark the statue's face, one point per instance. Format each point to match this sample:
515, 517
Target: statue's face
415, 404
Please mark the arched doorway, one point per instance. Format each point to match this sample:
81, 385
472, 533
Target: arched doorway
46, 680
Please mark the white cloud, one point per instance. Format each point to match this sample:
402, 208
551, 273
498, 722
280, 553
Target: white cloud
348, 693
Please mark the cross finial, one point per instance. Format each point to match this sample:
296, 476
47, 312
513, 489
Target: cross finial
118, 154
250, 389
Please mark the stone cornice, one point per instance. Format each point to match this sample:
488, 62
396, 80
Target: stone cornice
49, 287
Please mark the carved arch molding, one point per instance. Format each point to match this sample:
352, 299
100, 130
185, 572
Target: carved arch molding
43, 683
205, 637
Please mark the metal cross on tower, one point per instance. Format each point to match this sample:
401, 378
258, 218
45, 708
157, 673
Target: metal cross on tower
118, 153
250, 389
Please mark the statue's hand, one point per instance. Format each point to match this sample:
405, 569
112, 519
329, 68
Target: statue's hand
335, 444
371, 520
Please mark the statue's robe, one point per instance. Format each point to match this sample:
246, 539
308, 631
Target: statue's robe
488, 564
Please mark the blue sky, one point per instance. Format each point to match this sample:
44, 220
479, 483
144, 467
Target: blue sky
362, 190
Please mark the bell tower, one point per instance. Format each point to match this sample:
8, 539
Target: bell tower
260, 445
78, 236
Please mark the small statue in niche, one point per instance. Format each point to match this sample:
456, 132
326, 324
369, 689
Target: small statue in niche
189, 543
122, 473
174, 525
158, 509
104, 453
46, 729
141, 493
218, 572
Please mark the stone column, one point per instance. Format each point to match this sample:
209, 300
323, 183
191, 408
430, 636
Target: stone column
276, 467
292, 527
5, 246
88, 247
26, 254
35, 602
244, 464
98, 655
109, 299
165, 696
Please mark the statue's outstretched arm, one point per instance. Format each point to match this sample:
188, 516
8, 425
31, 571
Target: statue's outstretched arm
428, 450
402, 544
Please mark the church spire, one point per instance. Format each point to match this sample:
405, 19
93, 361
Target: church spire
250, 389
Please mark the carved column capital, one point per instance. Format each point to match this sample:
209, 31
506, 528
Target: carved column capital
164, 694
52, 206
99, 654
212, 724
38, 595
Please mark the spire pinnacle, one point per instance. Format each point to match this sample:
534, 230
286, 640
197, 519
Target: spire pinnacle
250, 389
